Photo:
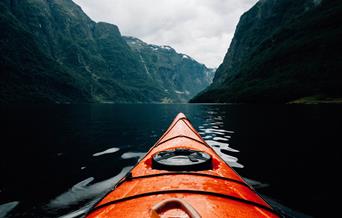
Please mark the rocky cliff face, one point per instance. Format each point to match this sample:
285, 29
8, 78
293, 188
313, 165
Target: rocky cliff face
51, 51
27, 74
180, 76
282, 50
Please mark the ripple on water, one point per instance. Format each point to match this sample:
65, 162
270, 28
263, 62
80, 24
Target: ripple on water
221, 145
129, 155
84, 190
207, 137
212, 112
8, 207
218, 118
108, 151
221, 132
221, 138
217, 138
216, 123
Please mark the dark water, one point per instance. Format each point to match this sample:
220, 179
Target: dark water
56, 160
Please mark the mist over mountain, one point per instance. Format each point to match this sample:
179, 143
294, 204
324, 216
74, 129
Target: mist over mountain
51, 51
282, 51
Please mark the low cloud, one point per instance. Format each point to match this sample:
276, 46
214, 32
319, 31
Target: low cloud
202, 29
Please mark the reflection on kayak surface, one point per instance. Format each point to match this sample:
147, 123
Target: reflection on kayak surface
75, 153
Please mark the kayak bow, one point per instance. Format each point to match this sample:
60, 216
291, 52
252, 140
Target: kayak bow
182, 176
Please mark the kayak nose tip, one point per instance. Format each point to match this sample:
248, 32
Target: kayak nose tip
180, 116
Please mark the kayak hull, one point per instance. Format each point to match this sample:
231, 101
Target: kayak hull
217, 192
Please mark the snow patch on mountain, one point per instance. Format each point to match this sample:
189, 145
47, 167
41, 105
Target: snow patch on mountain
166, 47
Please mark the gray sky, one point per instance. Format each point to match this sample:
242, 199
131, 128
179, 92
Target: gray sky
202, 29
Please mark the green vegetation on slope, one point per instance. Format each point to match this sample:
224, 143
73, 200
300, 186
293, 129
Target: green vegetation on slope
298, 57
27, 75
180, 76
51, 51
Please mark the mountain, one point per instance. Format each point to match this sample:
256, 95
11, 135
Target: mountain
27, 74
180, 76
282, 51
51, 51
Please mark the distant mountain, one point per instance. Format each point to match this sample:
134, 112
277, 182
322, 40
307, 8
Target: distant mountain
180, 76
51, 51
282, 50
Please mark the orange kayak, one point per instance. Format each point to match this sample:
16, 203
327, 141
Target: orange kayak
182, 176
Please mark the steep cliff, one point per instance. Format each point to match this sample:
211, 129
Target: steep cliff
282, 50
51, 51
180, 76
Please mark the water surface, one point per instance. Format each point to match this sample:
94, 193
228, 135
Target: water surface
57, 160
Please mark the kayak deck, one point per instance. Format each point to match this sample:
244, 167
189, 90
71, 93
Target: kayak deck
149, 192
